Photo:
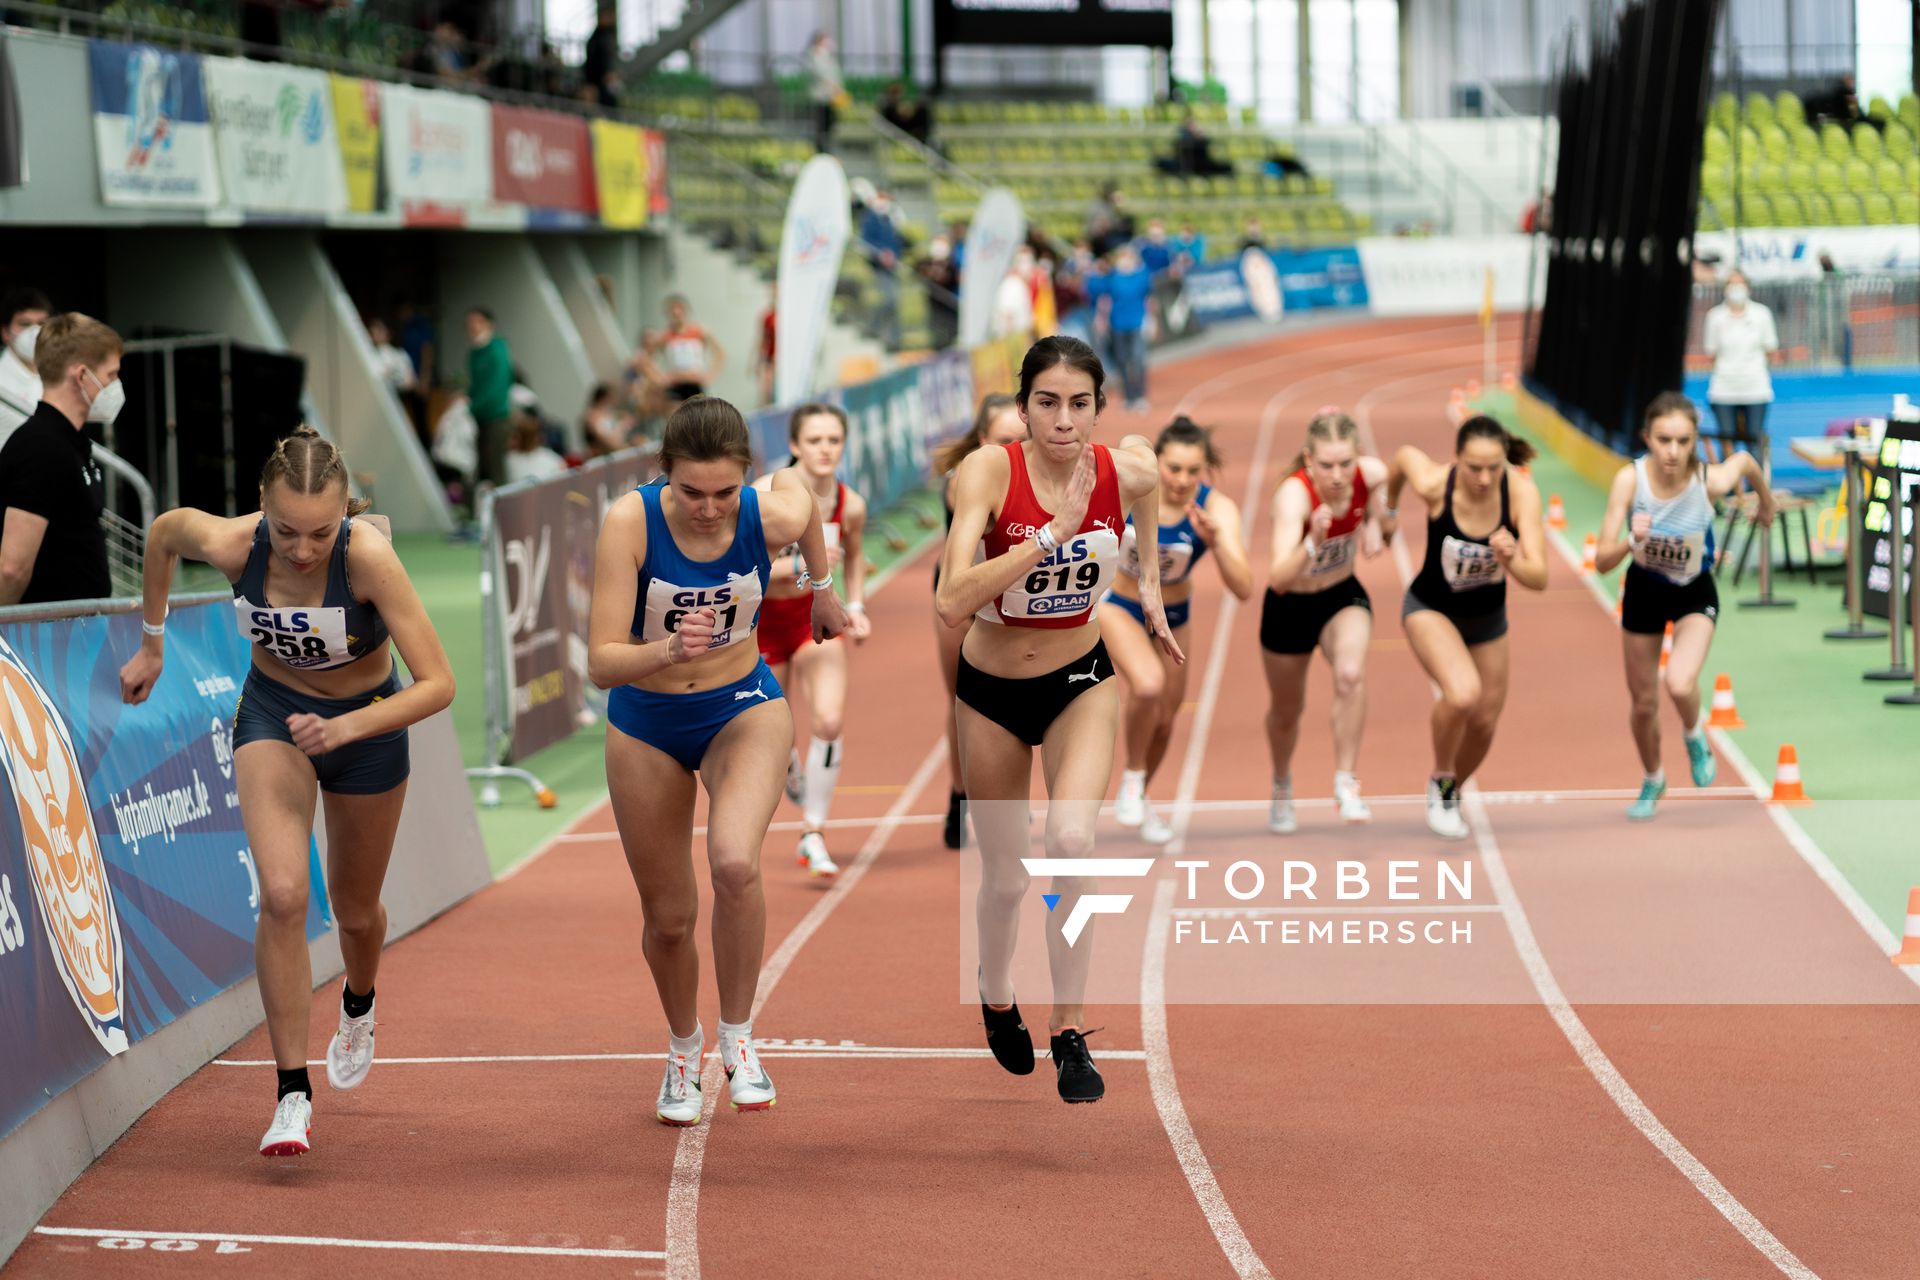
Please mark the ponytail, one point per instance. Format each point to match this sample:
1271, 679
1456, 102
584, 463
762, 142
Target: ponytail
1480, 427
1183, 430
949, 459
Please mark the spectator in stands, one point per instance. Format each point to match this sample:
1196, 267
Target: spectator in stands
528, 457
1156, 251
907, 114
1283, 164
417, 340
445, 54
1254, 237
1840, 104
1013, 302
606, 426
1741, 338
22, 311
597, 71
767, 349
51, 490
942, 278
1189, 248
683, 359
396, 369
489, 391
826, 87
1122, 294
1108, 224
883, 247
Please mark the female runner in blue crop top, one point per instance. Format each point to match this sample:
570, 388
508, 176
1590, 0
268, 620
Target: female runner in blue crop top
680, 572
318, 593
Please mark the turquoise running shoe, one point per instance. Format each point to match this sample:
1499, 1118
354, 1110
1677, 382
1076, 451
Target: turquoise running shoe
1650, 793
1700, 756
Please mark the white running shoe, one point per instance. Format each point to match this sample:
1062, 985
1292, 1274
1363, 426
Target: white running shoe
1130, 805
1443, 813
796, 778
350, 1052
814, 857
749, 1087
292, 1128
679, 1102
1280, 819
1153, 828
1346, 794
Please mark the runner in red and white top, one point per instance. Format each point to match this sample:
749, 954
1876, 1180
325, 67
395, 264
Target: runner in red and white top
1034, 673
817, 434
683, 360
1326, 514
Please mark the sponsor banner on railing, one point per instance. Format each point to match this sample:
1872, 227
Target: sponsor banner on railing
356, 116
1295, 280
542, 159
542, 566
1793, 253
620, 171
887, 445
946, 396
128, 893
150, 127
439, 153
273, 127
996, 365
1447, 275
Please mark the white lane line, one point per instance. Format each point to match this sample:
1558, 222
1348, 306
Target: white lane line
683, 1193
567, 834
1757, 786
831, 824
336, 1242
1601, 1067
888, 1053
1161, 1079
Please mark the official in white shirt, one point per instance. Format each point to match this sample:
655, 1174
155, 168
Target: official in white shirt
21, 313
1740, 337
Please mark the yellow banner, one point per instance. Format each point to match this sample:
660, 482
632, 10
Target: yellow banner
356, 113
620, 171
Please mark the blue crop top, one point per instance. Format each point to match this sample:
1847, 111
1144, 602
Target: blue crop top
337, 631
671, 584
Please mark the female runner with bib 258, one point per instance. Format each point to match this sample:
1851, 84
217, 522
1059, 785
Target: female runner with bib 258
1455, 611
1325, 514
680, 572
318, 592
1034, 673
817, 434
1156, 684
1664, 502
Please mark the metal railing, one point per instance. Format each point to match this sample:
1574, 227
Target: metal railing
1839, 321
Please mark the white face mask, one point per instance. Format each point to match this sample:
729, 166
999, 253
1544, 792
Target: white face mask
1737, 294
107, 405
24, 343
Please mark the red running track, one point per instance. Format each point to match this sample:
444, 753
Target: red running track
1724, 1088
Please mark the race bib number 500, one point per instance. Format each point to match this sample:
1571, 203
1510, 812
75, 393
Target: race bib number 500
298, 637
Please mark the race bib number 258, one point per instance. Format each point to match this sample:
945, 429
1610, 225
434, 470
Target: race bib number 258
298, 637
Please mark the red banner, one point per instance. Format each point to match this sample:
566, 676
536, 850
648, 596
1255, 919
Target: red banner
541, 158
657, 201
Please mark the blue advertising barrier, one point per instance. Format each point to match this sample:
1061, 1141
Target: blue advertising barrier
128, 893
1309, 278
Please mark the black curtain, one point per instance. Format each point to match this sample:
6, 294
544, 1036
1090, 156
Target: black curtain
1613, 326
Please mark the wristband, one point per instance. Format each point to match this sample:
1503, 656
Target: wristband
153, 628
1309, 546
855, 606
1047, 542
821, 584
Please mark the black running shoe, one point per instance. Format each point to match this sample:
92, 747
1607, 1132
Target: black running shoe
955, 834
1073, 1069
1008, 1038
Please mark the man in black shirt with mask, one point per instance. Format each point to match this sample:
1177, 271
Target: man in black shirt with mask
51, 489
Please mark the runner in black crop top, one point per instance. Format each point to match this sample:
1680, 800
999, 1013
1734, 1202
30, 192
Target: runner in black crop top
1461, 576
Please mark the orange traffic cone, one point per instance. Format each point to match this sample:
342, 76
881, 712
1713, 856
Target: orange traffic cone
1556, 513
1620, 605
1508, 381
1725, 714
1909, 952
1786, 779
1666, 647
1589, 555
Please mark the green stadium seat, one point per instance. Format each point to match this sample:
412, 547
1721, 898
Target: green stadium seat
1788, 109
1835, 144
1890, 177
1830, 176
1878, 209
1759, 109
1756, 211
1879, 109
1898, 141
1776, 144
1788, 209
1906, 208
1806, 144
1799, 175
1846, 210
1819, 207
1724, 112
1861, 178
1866, 142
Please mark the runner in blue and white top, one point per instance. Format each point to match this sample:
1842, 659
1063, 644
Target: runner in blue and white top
1156, 684
682, 567
1660, 513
